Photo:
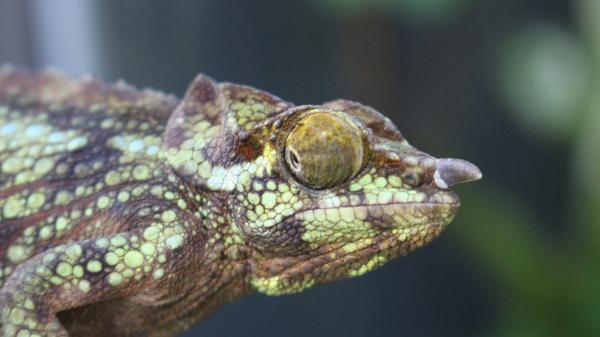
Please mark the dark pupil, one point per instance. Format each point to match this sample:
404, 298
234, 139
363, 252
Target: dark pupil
294, 160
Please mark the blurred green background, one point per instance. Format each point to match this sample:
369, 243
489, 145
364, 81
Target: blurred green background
510, 85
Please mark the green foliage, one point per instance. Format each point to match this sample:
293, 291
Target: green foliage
543, 75
548, 287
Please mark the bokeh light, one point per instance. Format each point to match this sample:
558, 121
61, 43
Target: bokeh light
543, 75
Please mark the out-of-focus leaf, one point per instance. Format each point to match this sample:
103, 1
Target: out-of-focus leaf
586, 179
585, 195
583, 294
585, 202
543, 77
588, 13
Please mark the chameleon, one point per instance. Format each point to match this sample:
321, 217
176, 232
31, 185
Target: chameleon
128, 212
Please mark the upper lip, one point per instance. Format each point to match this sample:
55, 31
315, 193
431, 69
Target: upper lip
455, 204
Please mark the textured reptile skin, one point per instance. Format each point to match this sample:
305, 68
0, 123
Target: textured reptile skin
128, 212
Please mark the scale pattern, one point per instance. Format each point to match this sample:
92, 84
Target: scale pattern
128, 212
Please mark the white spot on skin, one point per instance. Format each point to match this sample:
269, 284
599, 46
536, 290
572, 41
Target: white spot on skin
76, 143
268, 199
231, 178
34, 131
152, 150
174, 241
8, 129
216, 180
158, 273
57, 137
136, 145
225, 179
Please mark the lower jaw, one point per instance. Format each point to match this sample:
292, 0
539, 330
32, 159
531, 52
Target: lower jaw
334, 262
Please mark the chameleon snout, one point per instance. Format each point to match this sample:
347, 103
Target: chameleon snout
450, 171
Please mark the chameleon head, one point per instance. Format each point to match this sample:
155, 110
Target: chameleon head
314, 193
338, 192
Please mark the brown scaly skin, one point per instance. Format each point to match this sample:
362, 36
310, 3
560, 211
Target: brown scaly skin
132, 213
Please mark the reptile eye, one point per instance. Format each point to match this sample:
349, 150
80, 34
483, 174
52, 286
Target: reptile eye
324, 149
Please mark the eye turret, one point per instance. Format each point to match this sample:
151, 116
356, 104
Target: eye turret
324, 149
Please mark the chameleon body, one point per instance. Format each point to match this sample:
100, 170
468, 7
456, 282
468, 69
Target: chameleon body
129, 212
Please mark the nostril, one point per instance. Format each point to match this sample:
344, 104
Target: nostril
411, 179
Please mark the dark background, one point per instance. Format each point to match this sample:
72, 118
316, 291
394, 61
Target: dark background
509, 85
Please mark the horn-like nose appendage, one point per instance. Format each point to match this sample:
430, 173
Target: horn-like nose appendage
450, 171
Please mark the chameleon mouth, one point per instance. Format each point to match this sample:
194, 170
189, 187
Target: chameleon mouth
355, 216
439, 207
